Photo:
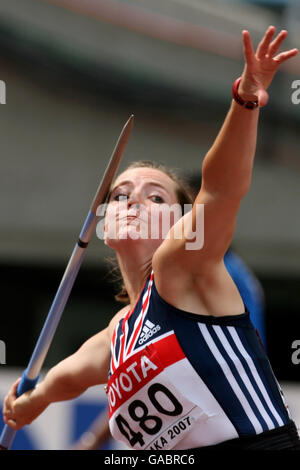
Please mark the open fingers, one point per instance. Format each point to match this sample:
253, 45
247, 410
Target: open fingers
249, 53
283, 56
262, 48
276, 43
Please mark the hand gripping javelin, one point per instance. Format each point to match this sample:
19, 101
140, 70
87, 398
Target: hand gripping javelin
30, 376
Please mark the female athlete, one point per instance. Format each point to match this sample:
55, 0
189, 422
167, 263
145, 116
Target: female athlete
183, 365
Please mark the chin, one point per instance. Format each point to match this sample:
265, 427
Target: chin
131, 239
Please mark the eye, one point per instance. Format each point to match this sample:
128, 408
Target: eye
120, 197
157, 199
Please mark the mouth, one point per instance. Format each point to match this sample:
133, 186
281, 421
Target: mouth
131, 215
128, 217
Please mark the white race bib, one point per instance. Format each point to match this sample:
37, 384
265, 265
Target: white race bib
147, 412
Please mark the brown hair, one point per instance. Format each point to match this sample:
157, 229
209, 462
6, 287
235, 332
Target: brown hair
184, 196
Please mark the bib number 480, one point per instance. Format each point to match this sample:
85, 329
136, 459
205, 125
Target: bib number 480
150, 424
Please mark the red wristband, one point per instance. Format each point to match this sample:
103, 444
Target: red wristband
238, 99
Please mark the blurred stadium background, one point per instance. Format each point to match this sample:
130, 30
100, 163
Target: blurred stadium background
74, 72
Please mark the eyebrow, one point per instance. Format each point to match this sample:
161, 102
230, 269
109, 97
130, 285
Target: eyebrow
123, 183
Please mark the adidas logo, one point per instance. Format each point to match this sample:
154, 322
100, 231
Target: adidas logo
149, 329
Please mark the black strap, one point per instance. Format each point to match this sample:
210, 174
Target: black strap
82, 244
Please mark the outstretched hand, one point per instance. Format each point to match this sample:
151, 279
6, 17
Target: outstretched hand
262, 65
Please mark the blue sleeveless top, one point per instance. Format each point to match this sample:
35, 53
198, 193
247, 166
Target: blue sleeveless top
180, 380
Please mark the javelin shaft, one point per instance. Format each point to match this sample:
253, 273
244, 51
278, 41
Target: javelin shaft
31, 374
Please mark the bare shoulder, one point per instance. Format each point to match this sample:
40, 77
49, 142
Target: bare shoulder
210, 292
172, 281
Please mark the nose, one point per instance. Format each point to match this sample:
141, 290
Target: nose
133, 208
135, 204
134, 200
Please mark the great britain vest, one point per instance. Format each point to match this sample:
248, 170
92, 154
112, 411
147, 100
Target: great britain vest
179, 380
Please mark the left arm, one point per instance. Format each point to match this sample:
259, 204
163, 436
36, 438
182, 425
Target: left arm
227, 167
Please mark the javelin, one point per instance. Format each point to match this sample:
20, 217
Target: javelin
30, 376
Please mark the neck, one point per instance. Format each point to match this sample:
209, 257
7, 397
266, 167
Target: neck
134, 269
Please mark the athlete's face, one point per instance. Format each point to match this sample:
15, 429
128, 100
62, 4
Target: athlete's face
139, 206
